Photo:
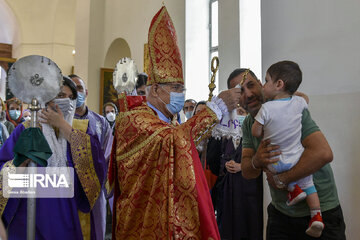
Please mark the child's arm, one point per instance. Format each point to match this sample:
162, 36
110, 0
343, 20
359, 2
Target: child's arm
257, 129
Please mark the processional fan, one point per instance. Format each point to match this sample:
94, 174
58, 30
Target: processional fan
124, 81
125, 76
35, 80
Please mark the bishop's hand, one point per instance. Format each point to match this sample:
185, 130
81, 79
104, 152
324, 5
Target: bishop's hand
231, 98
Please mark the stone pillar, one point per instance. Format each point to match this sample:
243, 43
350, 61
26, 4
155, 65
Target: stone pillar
229, 40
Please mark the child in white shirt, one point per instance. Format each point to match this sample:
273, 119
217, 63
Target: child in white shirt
279, 120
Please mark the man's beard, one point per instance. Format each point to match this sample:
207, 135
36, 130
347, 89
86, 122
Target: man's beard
255, 109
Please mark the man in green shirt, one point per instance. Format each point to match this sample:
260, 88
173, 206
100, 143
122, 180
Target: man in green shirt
286, 222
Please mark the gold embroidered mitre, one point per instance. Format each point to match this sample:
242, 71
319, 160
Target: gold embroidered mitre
165, 60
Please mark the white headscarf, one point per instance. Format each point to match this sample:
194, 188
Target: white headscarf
58, 145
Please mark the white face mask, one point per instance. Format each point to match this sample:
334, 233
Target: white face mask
111, 116
65, 104
27, 118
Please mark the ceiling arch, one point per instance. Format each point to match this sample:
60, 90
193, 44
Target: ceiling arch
119, 48
9, 27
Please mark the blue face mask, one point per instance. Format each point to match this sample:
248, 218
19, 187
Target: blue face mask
14, 114
241, 119
188, 115
80, 99
177, 101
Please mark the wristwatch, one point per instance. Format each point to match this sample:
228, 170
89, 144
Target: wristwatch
279, 184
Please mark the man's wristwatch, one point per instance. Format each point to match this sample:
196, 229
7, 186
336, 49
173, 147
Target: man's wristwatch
279, 184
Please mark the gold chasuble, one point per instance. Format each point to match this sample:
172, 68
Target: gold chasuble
163, 190
160, 191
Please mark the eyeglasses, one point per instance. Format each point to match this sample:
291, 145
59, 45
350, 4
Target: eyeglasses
177, 87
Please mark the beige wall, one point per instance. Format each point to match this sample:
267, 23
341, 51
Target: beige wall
99, 23
46, 27
130, 20
119, 48
89, 45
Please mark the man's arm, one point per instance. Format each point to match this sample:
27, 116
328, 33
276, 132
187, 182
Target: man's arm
317, 153
248, 171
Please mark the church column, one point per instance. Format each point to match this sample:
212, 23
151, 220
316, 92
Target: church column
89, 46
229, 40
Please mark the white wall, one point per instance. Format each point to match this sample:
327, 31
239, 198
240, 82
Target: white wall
197, 76
250, 35
323, 37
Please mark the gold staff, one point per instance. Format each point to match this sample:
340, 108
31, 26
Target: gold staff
212, 85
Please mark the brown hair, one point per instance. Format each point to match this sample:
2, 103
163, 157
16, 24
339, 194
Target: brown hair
18, 102
13, 100
289, 72
237, 72
112, 105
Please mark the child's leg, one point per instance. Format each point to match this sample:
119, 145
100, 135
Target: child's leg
312, 198
316, 224
314, 203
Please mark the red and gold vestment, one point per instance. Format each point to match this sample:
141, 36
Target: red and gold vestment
160, 188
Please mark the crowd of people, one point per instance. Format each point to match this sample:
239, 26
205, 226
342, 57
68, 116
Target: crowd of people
141, 173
